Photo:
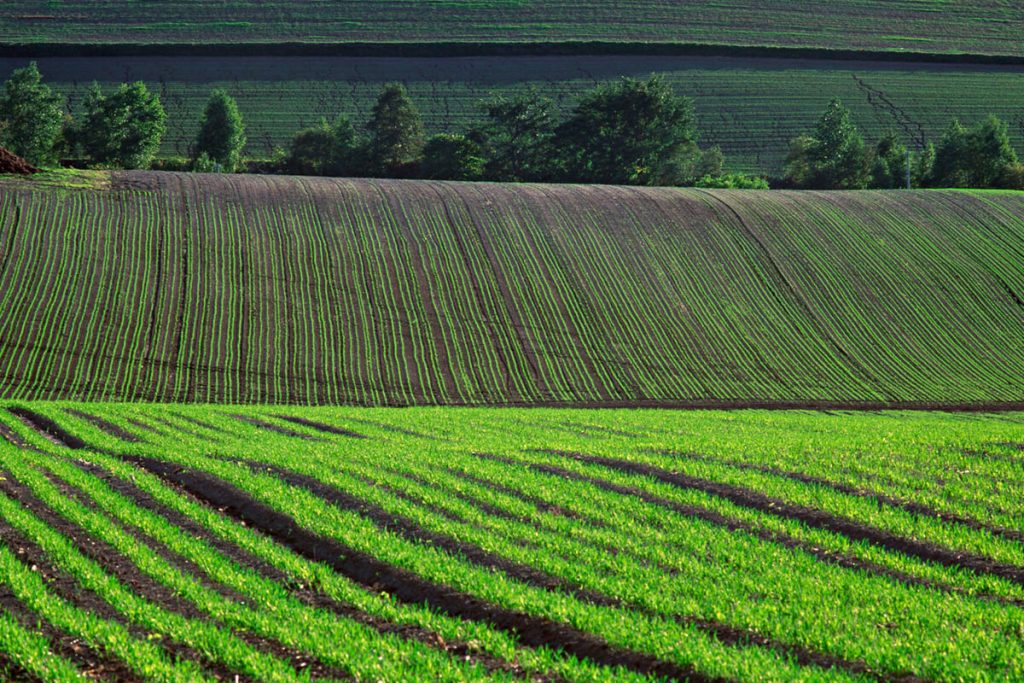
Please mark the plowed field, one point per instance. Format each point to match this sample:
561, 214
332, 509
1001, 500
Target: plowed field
248, 289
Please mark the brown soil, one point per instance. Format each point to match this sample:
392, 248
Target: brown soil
408, 587
12, 163
880, 498
243, 558
269, 426
818, 519
105, 426
320, 426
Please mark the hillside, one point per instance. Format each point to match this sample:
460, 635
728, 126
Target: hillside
750, 107
169, 287
990, 27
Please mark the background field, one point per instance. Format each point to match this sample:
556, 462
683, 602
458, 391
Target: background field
177, 287
947, 26
201, 543
750, 107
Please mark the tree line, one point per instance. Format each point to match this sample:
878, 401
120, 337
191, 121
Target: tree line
626, 132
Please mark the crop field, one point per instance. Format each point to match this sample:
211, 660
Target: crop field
185, 543
938, 26
253, 289
751, 108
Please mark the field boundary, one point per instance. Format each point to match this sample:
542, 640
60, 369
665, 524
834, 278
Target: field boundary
490, 49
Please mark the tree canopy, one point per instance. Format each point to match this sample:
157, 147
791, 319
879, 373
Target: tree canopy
222, 133
31, 116
124, 128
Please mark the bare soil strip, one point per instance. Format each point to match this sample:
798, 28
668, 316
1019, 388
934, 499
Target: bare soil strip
67, 587
48, 429
320, 426
823, 555
529, 575
243, 558
881, 498
408, 587
271, 427
817, 519
105, 426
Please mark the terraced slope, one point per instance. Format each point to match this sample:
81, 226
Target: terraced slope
247, 289
943, 26
284, 544
750, 107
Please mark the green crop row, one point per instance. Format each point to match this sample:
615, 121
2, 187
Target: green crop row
329, 291
480, 501
751, 108
985, 26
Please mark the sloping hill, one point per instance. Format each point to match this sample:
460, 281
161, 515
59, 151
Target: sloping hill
170, 287
990, 27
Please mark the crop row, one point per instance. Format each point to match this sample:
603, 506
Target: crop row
751, 108
636, 543
251, 289
986, 26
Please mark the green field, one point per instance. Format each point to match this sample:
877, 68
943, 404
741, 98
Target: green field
752, 108
258, 289
287, 544
944, 26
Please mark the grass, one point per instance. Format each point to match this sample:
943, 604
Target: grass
984, 27
209, 288
749, 107
491, 505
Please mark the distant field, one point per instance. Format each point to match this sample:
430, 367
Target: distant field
228, 543
946, 26
253, 289
751, 108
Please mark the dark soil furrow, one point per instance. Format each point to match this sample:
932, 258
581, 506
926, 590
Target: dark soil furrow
243, 558
201, 423
116, 565
880, 498
536, 501
271, 427
47, 428
412, 531
394, 430
105, 426
67, 588
537, 578
320, 426
824, 555
145, 427
818, 519
409, 587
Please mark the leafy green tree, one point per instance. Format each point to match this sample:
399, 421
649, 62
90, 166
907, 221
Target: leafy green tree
889, 166
452, 157
396, 132
325, 149
32, 116
517, 137
733, 181
973, 157
124, 128
833, 157
630, 132
712, 162
222, 134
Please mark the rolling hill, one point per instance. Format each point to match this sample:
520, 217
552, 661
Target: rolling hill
249, 289
989, 27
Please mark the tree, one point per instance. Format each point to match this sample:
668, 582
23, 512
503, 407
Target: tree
222, 134
712, 162
889, 167
838, 158
452, 157
799, 170
124, 128
324, 149
32, 117
630, 132
396, 132
517, 138
973, 157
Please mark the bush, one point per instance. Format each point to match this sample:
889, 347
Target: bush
221, 137
452, 157
733, 181
31, 117
123, 129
